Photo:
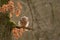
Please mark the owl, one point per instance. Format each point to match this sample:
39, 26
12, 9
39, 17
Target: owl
24, 23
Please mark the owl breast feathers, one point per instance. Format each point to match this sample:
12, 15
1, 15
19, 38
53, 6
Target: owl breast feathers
23, 21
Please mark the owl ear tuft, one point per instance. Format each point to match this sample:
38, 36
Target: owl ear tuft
25, 18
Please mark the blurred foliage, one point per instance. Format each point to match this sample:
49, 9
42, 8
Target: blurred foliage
3, 2
5, 24
5, 20
4, 17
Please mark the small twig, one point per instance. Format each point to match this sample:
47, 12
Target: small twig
24, 28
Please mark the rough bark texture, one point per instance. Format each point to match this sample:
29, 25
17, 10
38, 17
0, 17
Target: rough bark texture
44, 18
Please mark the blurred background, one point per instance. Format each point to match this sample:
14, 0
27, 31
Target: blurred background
44, 18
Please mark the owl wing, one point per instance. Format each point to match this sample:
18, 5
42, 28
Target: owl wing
19, 24
27, 24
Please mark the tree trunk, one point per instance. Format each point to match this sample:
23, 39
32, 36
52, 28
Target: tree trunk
44, 19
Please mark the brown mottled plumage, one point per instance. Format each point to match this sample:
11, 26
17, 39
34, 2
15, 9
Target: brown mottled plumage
24, 23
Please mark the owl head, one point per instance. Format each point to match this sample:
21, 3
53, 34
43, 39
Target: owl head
23, 21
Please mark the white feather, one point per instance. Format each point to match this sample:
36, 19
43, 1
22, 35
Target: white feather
27, 24
19, 24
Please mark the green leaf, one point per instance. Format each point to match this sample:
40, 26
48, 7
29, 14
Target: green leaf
3, 2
